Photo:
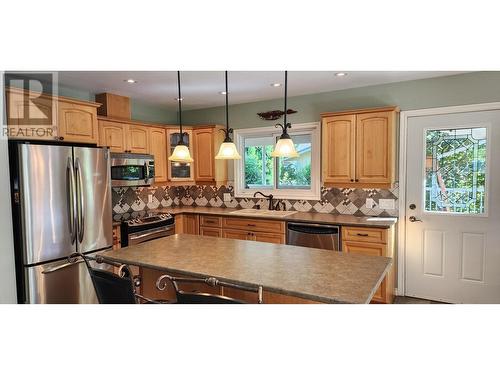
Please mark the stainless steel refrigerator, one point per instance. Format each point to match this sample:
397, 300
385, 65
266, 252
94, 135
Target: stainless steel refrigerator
61, 204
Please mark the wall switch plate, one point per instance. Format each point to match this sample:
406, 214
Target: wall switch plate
386, 204
370, 203
227, 197
150, 198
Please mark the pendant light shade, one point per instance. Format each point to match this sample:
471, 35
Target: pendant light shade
227, 150
181, 151
284, 147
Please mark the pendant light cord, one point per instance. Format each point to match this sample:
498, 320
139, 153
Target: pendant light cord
227, 108
286, 90
179, 99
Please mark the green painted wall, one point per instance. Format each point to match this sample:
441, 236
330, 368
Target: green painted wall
469, 88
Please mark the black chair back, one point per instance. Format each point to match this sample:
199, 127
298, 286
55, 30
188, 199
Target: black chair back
111, 288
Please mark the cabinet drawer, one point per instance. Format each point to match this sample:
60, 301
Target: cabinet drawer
377, 249
270, 226
364, 234
211, 221
212, 232
277, 238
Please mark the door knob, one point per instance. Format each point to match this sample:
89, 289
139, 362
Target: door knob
413, 219
413, 206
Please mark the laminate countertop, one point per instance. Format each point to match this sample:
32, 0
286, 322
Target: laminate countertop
313, 274
297, 216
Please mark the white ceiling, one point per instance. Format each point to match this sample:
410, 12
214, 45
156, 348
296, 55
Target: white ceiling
200, 89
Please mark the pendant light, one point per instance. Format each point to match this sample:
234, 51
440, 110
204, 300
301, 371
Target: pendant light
284, 147
227, 149
181, 151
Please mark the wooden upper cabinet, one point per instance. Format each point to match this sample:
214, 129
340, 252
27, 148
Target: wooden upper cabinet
204, 170
375, 147
112, 134
115, 106
359, 148
158, 148
137, 139
77, 123
339, 137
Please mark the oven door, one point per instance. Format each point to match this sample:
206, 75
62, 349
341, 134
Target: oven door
132, 170
150, 234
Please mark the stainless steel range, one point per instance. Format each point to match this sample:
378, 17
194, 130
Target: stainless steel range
147, 228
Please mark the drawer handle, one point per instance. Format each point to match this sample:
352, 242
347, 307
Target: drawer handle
211, 221
362, 234
250, 225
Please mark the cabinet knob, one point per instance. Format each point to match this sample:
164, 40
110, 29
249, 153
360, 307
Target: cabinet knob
357, 180
59, 138
352, 180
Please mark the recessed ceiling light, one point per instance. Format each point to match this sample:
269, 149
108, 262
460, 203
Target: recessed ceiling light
179, 99
275, 84
222, 92
340, 74
130, 80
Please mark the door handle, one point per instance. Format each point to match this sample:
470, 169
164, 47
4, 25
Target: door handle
413, 219
71, 200
81, 203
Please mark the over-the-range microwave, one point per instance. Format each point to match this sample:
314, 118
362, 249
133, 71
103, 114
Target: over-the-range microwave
132, 169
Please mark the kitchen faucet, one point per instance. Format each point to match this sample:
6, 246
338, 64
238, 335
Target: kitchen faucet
270, 197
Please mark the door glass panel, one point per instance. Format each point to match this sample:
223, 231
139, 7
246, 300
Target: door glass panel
455, 170
179, 170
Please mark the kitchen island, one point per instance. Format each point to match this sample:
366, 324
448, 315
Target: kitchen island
305, 273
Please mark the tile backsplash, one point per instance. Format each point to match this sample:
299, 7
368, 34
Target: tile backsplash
127, 200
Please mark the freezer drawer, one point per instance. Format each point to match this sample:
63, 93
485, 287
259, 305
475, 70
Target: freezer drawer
61, 282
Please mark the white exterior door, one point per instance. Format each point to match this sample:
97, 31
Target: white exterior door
453, 207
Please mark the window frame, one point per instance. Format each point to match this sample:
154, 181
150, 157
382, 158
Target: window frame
314, 193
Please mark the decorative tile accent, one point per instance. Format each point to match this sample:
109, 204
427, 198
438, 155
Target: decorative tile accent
127, 201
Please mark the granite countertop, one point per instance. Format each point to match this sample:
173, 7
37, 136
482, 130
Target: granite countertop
307, 217
314, 274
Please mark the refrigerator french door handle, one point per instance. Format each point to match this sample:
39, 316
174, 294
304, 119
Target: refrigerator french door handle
71, 199
81, 203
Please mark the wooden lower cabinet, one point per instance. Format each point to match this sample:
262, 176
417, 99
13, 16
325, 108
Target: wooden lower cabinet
236, 234
187, 224
375, 242
211, 232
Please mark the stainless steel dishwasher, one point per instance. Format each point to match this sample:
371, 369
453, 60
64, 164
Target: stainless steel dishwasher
321, 236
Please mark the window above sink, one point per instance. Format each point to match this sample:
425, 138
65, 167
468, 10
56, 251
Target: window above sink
284, 178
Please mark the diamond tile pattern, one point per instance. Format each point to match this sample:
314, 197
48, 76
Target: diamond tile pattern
129, 200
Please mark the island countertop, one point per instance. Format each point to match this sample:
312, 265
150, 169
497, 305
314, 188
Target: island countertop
313, 274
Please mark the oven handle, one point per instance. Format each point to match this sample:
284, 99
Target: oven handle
137, 237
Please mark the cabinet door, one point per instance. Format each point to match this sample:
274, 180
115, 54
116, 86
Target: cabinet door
236, 234
211, 232
369, 249
77, 123
31, 117
190, 224
179, 171
204, 169
137, 139
269, 237
112, 135
374, 147
158, 148
339, 134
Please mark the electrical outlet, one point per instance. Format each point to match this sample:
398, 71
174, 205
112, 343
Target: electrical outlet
370, 203
150, 198
227, 197
386, 204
